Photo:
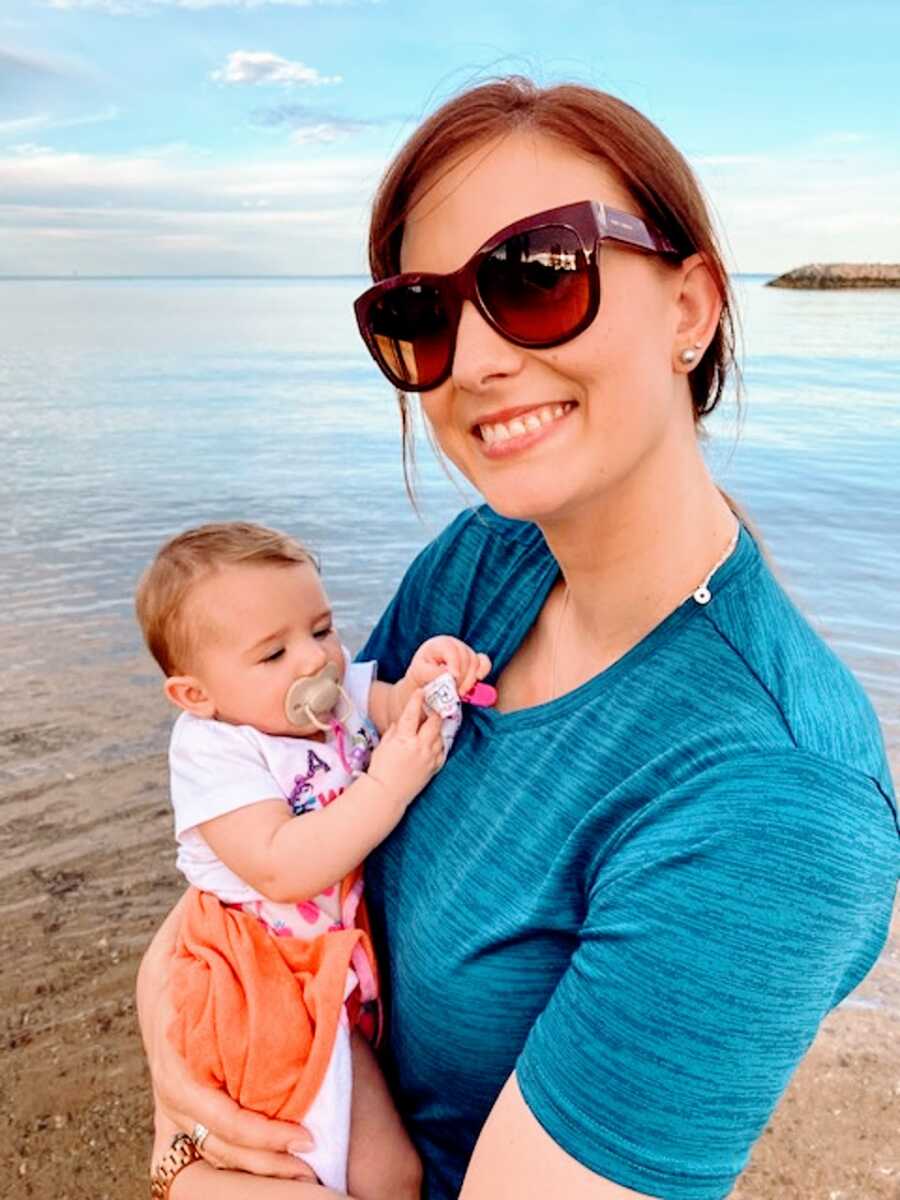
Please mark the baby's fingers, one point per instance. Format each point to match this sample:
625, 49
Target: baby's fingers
430, 733
478, 666
411, 718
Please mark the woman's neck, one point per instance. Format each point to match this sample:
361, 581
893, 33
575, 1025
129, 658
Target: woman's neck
636, 555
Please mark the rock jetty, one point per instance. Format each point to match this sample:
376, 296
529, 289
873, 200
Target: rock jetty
840, 275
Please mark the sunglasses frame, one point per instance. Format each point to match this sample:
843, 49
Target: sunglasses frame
592, 222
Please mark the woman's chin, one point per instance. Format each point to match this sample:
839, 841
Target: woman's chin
528, 504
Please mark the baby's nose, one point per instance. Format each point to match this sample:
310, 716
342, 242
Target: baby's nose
312, 659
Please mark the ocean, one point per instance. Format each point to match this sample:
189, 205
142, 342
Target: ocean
131, 408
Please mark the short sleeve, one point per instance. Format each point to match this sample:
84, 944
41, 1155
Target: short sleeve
358, 683
721, 926
215, 768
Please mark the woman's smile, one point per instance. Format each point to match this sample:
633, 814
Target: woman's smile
511, 430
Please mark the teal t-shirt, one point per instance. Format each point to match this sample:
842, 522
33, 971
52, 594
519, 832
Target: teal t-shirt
643, 896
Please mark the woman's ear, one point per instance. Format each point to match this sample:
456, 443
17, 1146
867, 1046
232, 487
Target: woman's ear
699, 308
189, 693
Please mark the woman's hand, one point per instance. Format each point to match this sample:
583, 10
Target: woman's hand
445, 653
237, 1139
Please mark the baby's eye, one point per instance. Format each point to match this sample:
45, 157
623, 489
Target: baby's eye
274, 656
323, 633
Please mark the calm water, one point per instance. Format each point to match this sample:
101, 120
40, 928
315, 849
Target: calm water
130, 409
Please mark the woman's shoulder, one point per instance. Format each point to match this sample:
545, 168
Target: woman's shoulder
479, 531
476, 552
481, 563
822, 706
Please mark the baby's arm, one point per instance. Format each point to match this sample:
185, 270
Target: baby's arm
289, 859
438, 654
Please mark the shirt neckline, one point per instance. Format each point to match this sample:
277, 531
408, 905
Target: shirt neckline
546, 573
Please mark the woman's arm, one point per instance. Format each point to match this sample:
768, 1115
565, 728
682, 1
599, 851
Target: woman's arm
290, 859
734, 913
516, 1159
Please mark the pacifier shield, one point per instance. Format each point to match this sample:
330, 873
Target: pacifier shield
310, 699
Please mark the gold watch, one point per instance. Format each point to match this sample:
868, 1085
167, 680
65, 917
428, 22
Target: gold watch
181, 1153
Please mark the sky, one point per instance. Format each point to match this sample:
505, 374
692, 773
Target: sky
247, 136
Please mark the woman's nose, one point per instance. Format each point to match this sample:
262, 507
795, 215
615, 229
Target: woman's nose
482, 356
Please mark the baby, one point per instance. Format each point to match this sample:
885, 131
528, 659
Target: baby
277, 724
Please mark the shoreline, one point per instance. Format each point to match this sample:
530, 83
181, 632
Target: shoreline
89, 871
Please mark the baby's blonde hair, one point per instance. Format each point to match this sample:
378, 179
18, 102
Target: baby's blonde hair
186, 559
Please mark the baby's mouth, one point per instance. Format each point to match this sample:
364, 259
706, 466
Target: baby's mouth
312, 699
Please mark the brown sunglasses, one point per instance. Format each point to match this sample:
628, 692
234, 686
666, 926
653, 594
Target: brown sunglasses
536, 282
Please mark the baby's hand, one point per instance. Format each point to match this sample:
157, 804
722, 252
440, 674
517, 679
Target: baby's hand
444, 653
409, 753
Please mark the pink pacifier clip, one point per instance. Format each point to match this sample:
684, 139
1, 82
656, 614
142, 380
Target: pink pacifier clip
482, 695
338, 730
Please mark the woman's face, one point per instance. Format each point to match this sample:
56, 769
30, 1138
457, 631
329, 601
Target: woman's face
609, 402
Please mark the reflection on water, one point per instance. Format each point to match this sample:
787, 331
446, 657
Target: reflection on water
131, 409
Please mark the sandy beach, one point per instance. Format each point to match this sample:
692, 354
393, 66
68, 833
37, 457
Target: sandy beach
87, 873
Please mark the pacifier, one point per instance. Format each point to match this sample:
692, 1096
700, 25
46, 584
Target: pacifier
314, 697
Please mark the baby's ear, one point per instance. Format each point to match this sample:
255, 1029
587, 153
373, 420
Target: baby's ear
189, 693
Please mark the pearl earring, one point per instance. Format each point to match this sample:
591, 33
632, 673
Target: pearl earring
688, 355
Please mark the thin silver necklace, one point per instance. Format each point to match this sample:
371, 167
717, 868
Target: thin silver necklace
701, 595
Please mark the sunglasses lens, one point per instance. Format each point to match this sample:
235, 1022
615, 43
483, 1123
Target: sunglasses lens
412, 335
537, 285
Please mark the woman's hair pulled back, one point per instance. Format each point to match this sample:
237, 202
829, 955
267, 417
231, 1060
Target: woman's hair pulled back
594, 124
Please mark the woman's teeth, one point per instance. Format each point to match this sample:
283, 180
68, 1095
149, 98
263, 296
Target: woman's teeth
502, 431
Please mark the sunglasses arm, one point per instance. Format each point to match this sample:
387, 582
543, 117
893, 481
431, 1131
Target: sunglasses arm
617, 226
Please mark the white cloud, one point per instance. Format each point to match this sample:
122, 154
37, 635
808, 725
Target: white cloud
21, 125
45, 121
130, 214
302, 210
730, 160
323, 132
809, 203
263, 67
177, 178
845, 137
30, 148
308, 124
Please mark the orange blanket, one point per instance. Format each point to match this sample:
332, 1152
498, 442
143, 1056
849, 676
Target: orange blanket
256, 1014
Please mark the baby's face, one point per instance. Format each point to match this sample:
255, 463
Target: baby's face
260, 628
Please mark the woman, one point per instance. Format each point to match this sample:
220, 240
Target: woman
614, 921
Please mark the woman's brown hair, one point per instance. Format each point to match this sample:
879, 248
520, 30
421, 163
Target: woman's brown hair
595, 124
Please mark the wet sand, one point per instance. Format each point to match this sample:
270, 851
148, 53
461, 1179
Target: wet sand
86, 865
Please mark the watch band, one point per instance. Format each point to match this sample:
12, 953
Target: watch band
181, 1153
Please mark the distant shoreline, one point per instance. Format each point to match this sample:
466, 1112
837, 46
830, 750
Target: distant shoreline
840, 276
